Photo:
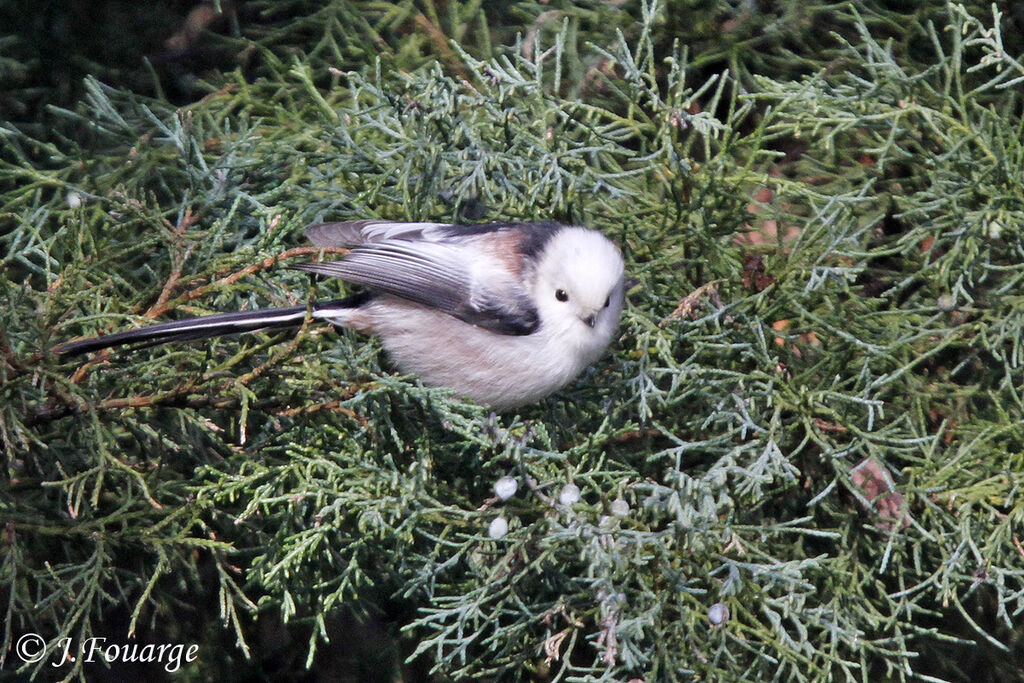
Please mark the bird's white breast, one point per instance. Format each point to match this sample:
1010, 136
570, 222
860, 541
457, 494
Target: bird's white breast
501, 371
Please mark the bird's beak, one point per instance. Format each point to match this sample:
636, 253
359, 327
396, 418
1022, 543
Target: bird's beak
591, 320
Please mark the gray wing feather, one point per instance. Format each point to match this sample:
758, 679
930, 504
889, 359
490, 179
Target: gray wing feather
354, 233
434, 274
426, 273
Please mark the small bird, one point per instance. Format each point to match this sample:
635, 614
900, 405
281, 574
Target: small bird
502, 313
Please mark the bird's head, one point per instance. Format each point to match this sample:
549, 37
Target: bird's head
578, 289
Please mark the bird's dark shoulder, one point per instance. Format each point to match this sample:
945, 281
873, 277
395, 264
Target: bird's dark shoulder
511, 317
534, 236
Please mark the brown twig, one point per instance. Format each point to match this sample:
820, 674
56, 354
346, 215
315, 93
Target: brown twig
689, 303
636, 435
188, 397
266, 263
441, 44
333, 406
160, 306
56, 412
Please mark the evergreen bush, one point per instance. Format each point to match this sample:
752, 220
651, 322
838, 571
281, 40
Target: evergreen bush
800, 461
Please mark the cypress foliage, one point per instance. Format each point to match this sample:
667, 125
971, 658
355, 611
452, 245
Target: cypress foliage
800, 461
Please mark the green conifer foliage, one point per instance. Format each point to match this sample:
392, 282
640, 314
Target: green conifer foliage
801, 460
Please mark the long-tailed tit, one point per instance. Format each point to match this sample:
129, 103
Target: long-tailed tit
502, 313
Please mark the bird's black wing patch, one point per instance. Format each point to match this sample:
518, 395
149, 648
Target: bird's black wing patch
511, 315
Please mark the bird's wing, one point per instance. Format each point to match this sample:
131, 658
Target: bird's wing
354, 233
530, 237
443, 275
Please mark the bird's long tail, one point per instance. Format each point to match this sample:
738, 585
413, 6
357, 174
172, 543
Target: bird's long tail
214, 326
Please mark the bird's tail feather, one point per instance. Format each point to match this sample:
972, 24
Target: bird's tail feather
211, 326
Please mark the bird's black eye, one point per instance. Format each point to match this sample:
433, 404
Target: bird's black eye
608, 302
561, 295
